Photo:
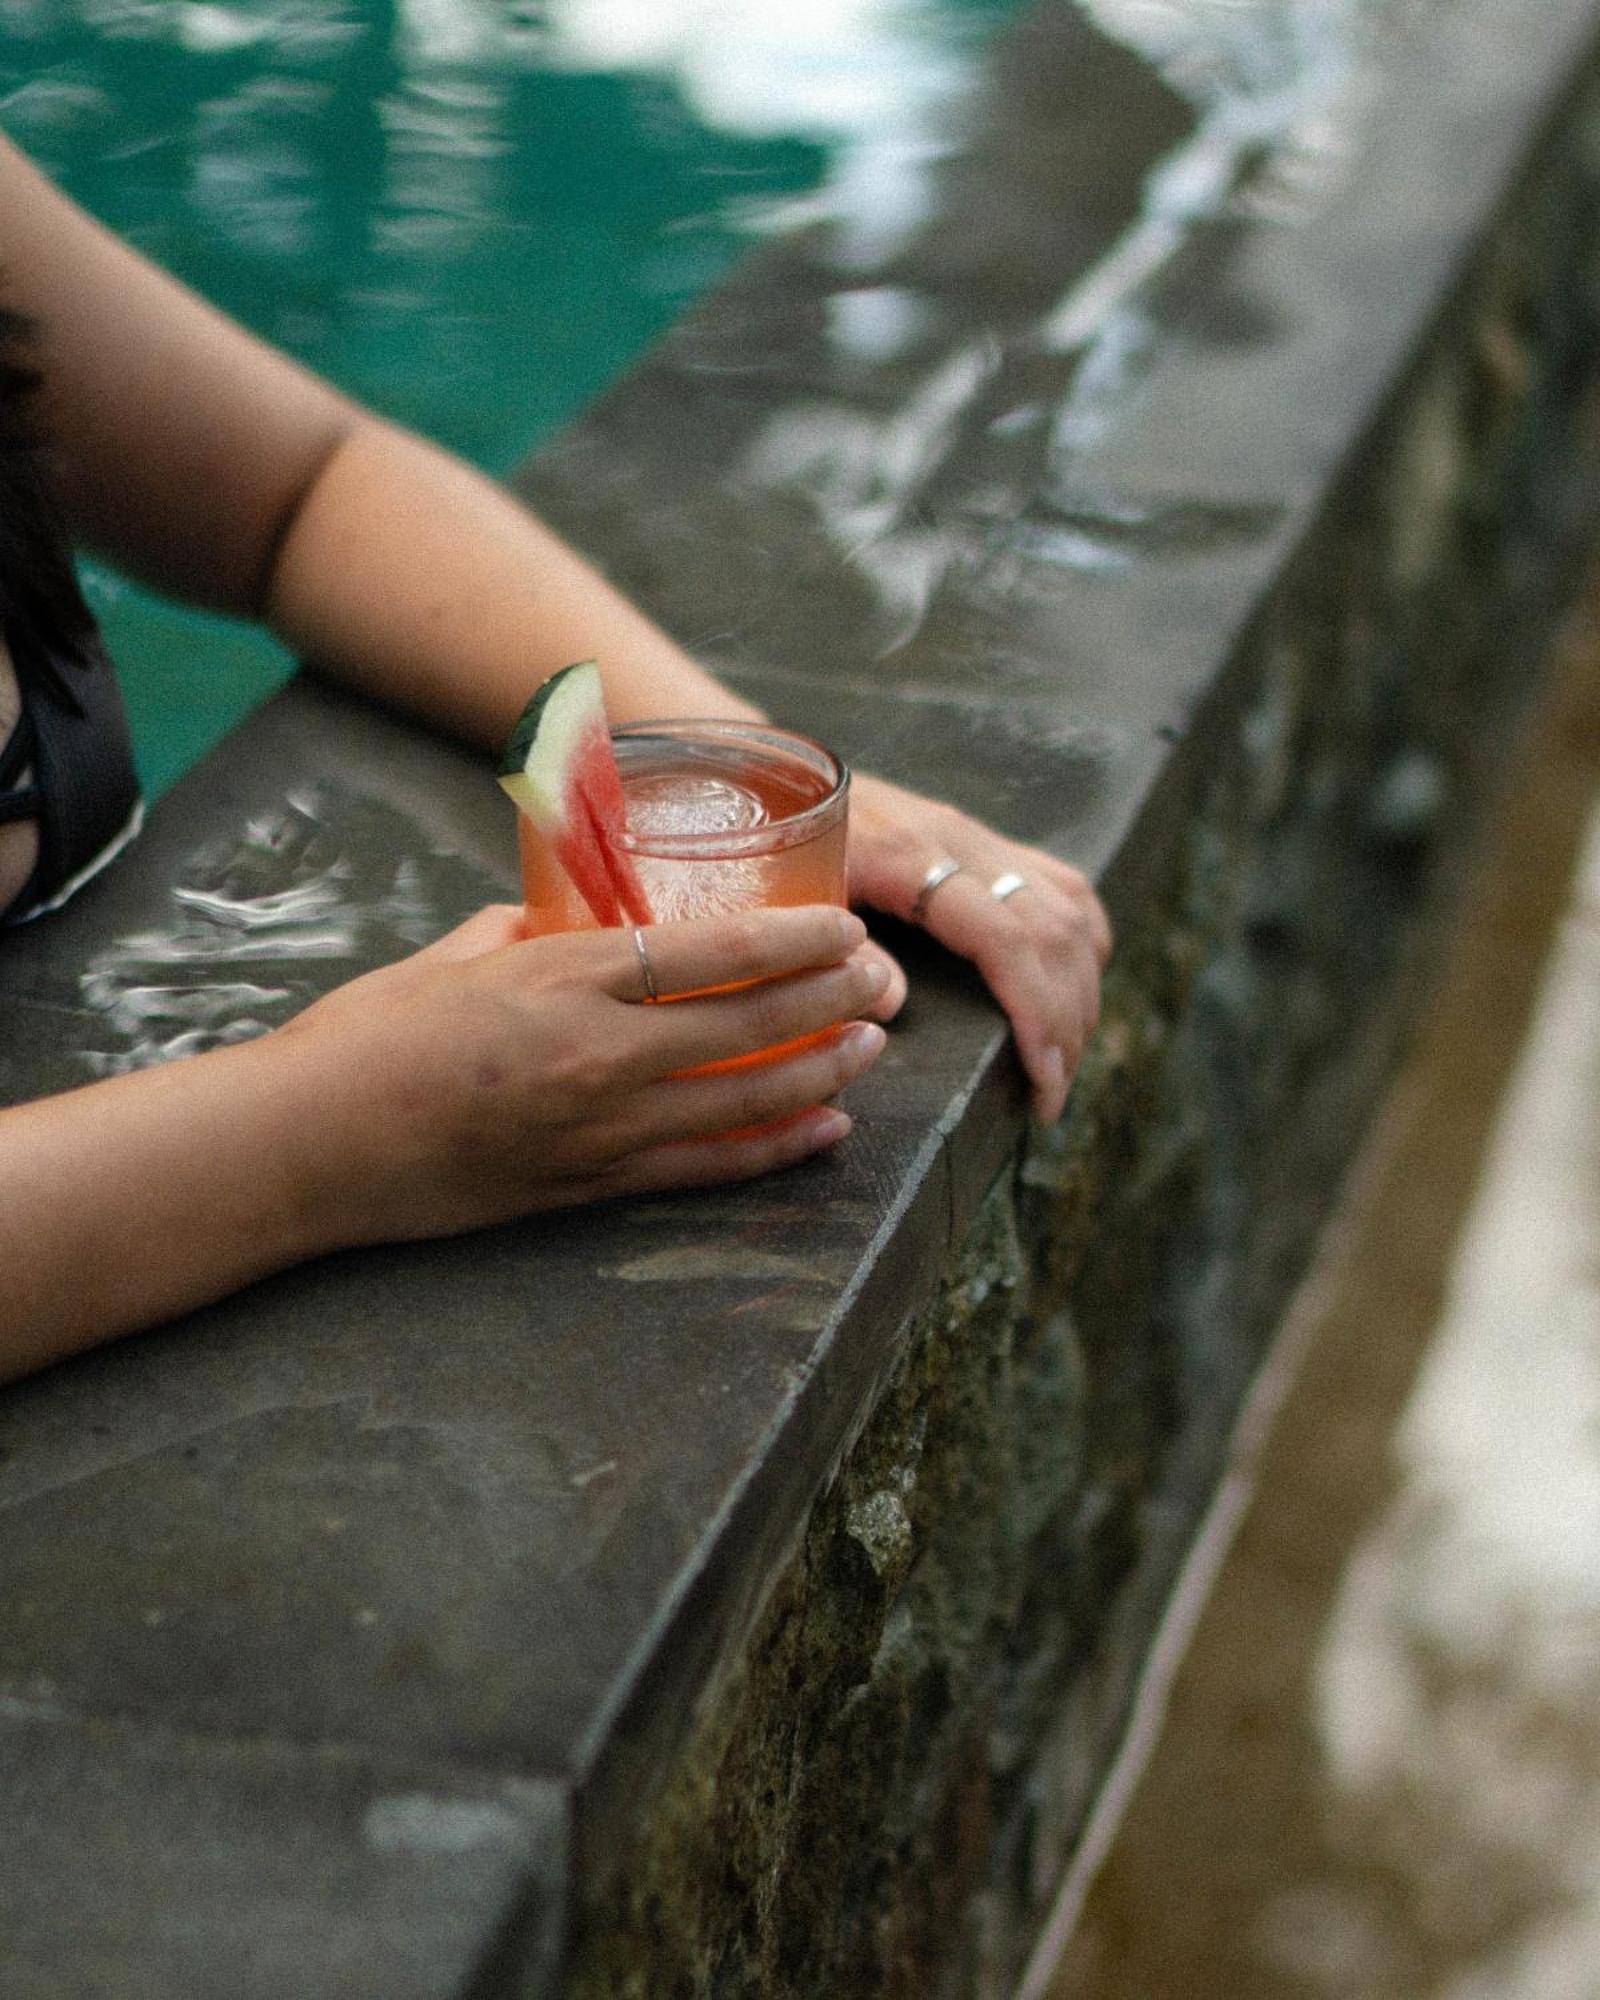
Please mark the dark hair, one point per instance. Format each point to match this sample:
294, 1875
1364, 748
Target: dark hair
42, 613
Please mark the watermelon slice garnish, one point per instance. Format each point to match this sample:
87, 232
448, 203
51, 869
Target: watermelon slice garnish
561, 771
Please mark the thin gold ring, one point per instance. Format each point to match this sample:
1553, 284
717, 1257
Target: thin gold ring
936, 877
651, 991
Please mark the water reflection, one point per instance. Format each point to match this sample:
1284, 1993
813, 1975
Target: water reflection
550, 182
1112, 533
1280, 87
471, 216
1289, 76
874, 82
1245, 114
301, 901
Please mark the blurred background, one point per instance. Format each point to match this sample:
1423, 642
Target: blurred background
1379, 1776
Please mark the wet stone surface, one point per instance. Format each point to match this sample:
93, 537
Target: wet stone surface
755, 1582
354, 1880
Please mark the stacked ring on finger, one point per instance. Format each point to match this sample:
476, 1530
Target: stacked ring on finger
651, 991
936, 877
1007, 885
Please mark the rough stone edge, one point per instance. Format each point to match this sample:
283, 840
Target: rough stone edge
960, 1736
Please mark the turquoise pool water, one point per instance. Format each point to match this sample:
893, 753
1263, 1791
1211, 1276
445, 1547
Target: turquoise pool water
472, 214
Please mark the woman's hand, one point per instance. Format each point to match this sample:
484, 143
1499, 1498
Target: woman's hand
235, 479
487, 1077
491, 1075
1041, 949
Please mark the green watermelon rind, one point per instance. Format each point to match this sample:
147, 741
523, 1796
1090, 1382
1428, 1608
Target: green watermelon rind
542, 740
539, 769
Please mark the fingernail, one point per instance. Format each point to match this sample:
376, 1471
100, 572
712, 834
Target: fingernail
1051, 1090
831, 1126
864, 1039
877, 980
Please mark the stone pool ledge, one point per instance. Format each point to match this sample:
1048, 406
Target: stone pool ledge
743, 1594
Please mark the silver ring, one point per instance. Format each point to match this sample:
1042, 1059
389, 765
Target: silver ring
650, 990
1007, 885
937, 875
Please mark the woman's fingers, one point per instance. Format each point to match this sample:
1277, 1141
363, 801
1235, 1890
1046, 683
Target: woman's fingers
892, 995
1041, 943
724, 951
720, 1027
694, 1107
714, 1162
1056, 927
730, 987
1040, 870
1040, 949
1052, 1009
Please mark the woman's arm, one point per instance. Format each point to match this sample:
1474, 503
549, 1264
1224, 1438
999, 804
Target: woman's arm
215, 468
410, 576
485, 1078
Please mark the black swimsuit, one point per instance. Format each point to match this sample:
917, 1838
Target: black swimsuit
71, 737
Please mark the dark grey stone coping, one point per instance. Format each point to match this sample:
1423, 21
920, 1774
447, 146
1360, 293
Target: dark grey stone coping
377, 1631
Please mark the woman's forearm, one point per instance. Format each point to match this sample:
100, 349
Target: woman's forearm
484, 1078
221, 472
409, 575
135, 1199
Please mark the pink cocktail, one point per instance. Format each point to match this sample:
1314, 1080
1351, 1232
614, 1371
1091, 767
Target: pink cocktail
720, 816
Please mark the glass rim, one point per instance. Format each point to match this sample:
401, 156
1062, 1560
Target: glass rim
772, 834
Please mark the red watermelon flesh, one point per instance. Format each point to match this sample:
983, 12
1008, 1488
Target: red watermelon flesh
599, 786
580, 848
560, 769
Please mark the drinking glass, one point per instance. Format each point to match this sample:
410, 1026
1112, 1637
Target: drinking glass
721, 816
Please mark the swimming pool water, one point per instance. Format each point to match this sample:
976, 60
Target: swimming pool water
471, 216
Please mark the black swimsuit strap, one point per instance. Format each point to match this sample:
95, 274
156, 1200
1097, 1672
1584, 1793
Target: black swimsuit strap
16, 754
71, 740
